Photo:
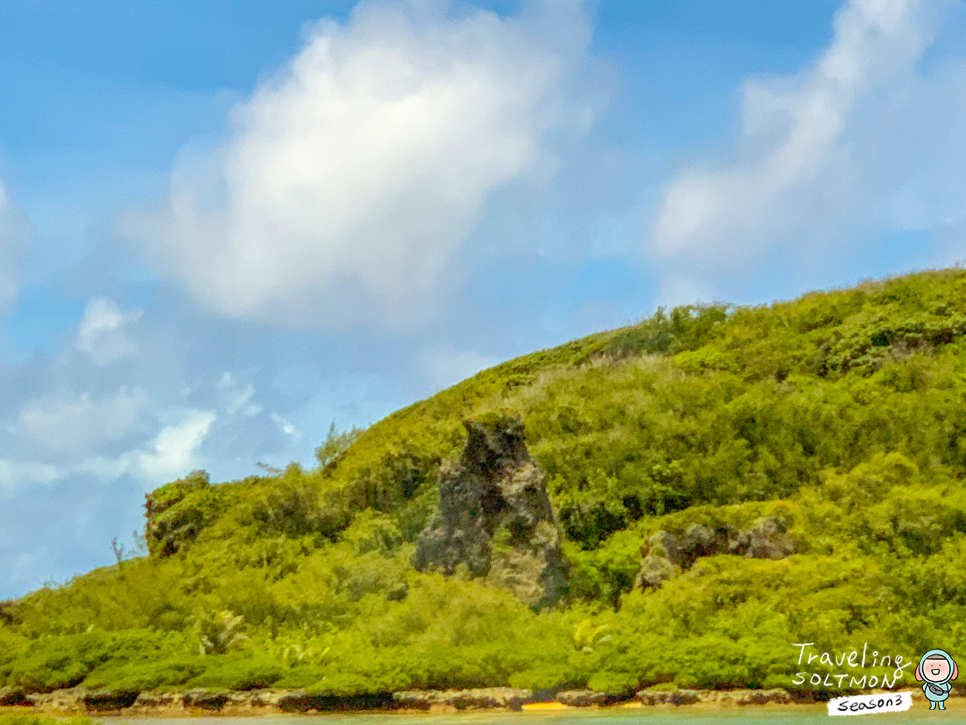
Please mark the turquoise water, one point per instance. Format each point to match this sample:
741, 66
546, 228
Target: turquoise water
918, 715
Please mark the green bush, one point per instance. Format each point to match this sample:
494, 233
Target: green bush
31, 719
839, 413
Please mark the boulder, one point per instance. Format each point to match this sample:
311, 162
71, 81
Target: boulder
652, 697
104, 700
266, 698
763, 697
295, 701
474, 699
670, 697
495, 517
159, 700
67, 699
766, 539
366, 701
588, 698
415, 699
683, 697
206, 699
664, 554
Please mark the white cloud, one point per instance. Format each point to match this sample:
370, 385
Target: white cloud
237, 399
174, 452
60, 429
849, 145
352, 179
14, 232
18, 473
286, 427
101, 334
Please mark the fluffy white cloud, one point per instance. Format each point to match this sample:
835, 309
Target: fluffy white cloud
174, 452
857, 142
17, 473
14, 232
101, 334
352, 178
287, 427
60, 429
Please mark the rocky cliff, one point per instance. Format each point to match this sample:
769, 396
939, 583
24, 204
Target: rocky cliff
665, 554
495, 518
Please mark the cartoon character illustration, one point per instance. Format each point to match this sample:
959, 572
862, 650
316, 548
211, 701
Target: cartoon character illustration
935, 670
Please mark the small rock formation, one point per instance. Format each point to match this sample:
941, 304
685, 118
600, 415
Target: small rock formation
722, 697
766, 539
670, 697
763, 697
665, 554
159, 701
476, 699
206, 699
588, 698
105, 700
302, 701
67, 699
495, 517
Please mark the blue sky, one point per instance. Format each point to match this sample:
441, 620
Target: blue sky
225, 225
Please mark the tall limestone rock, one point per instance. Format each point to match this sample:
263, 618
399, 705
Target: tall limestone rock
495, 516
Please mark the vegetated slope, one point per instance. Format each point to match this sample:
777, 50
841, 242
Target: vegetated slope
841, 414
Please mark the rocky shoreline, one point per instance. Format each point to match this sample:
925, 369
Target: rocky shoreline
266, 702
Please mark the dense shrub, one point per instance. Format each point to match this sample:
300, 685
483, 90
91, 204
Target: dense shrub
841, 414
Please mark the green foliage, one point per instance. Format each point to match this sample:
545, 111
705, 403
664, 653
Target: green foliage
293, 508
685, 328
31, 719
839, 413
218, 632
179, 511
335, 444
52, 663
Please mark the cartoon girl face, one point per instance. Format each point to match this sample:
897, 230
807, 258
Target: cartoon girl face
936, 668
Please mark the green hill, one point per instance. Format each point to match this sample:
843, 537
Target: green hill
841, 415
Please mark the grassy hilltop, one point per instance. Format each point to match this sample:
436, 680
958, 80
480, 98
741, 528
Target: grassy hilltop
843, 414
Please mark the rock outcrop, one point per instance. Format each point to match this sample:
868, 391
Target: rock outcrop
719, 697
664, 554
589, 698
104, 700
495, 518
476, 699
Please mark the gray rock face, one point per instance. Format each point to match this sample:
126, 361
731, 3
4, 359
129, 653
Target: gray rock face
766, 539
665, 554
495, 517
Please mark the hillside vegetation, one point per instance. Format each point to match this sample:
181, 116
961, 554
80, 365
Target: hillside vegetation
843, 414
